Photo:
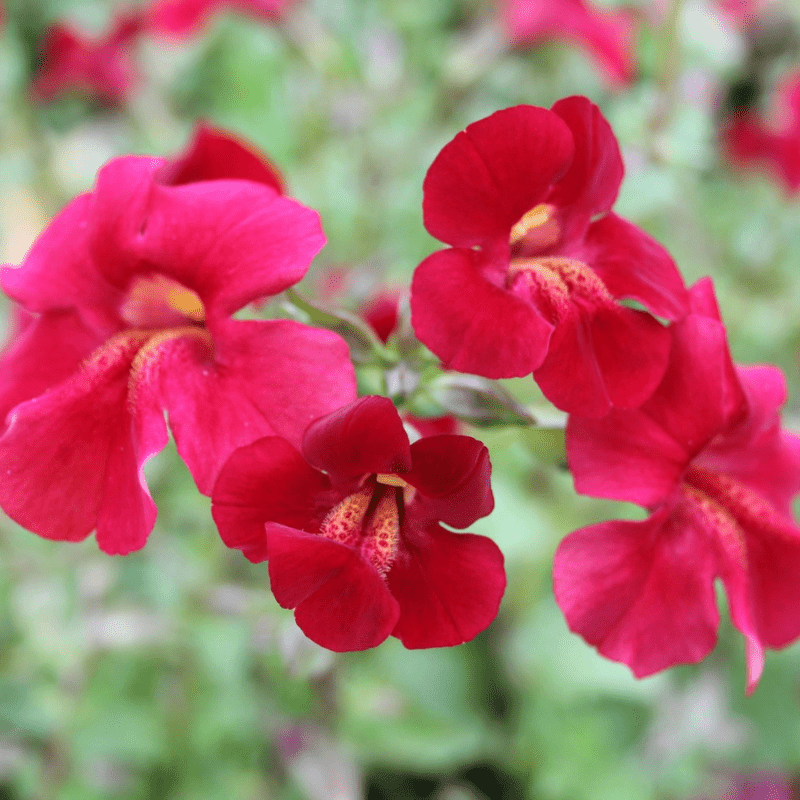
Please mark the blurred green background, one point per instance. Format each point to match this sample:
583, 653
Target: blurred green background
172, 673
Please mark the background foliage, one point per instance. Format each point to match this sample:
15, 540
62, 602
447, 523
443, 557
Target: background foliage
172, 673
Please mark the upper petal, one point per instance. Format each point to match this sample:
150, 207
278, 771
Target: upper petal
756, 450
451, 474
640, 455
342, 602
490, 174
363, 437
448, 585
231, 241
258, 379
591, 184
472, 324
214, 154
58, 272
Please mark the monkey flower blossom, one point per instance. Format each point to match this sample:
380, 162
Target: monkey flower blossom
102, 67
538, 261
606, 35
351, 528
751, 140
186, 17
707, 457
127, 298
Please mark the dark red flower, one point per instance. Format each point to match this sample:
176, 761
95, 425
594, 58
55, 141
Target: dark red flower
538, 261
187, 17
103, 68
750, 139
133, 286
706, 455
606, 35
352, 529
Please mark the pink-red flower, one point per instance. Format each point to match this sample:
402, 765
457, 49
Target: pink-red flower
351, 528
103, 68
538, 261
132, 288
606, 35
752, 140
707, 456
187, 17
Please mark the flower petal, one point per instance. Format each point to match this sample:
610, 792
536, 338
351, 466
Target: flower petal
490, 174
70, 460
605, 357
449, 586
472, 324
606, 34
216, 155
26, 373
186, 17
342, 602
231, 241
258, 379
363, 437
591, 184
632, 264
641, 592
452, 475
267, 480
57, 273
640, 455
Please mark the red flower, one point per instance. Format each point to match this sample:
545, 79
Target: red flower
532, 189
187, 17
606, 35
381, 311
133, 286
102, 67
351, 529
751, 140
707, 457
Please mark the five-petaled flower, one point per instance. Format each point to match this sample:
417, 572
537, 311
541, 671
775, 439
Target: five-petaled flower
102, 67
706, 455
132, 288
605, 34
751, 139
351, 528
538, 261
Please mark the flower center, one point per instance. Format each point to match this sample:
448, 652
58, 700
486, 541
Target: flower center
553, 283
536, 230
156, 301
368, 521
744, 506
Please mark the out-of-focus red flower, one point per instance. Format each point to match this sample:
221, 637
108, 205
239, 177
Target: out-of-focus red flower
538, 261
752, 140
352, 529
606, 35
187, 17
381, 311
103, 68
133, 286
740, 12
706, 455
